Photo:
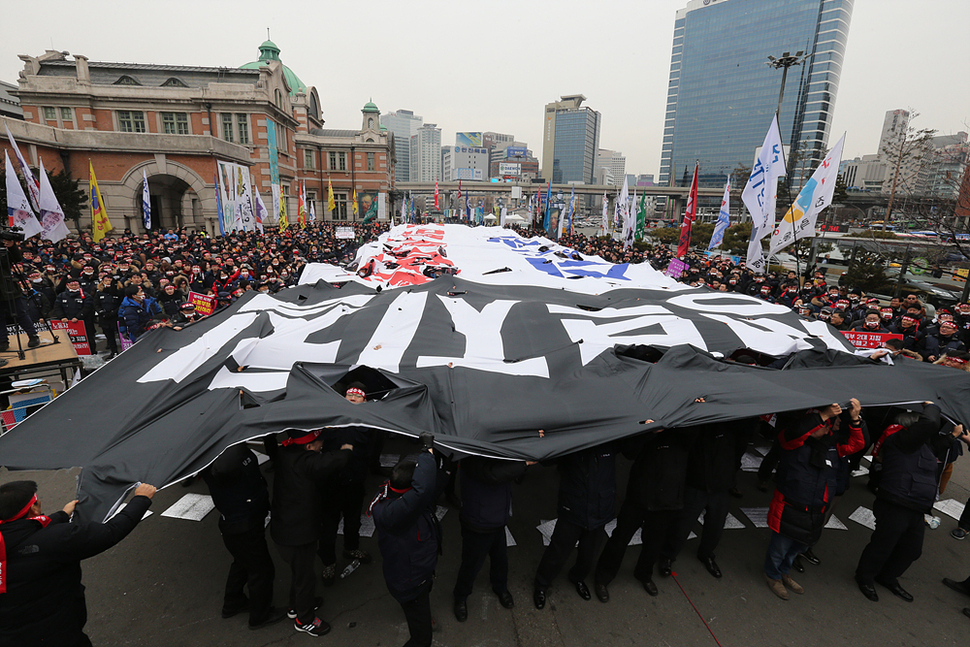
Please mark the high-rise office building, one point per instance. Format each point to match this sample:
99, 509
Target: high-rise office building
614, 160
722, 95
403, 123
570, 139
426, 154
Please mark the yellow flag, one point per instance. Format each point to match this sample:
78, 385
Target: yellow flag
354, 205
100, 225
283, 222
331, 203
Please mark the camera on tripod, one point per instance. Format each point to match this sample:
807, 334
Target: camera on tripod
11, 233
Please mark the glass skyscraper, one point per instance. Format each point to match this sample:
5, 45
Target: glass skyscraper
722, 94
571, 137
577, 140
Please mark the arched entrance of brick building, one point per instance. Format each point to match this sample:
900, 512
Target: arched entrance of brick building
171, 199
174, 196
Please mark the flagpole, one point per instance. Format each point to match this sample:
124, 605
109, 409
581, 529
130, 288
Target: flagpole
791, 203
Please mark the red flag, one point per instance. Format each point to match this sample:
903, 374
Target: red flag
459, 188
690, 215
436, 194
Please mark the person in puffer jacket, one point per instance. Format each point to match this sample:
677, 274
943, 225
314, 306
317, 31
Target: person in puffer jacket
911, 451
806, 483
409, 538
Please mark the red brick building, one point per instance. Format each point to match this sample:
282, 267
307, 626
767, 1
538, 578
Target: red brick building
174, 123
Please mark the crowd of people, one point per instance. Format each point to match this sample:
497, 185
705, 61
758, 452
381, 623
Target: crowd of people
130, 284
319, 476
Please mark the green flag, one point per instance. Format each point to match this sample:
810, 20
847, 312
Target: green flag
642, 217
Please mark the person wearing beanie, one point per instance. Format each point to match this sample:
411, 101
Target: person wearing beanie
41, 595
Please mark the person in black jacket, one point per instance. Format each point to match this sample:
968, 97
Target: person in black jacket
654, 499
486, 506
107, 300
907, 491
295, 525
409, 537
587, 501
13, 307
239, 493
41, 595
711, 465
344, 496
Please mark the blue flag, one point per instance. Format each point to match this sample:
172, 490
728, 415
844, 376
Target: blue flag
545, 218
222, 226
723, 218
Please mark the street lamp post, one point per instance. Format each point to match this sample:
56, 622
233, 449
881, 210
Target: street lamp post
784, 62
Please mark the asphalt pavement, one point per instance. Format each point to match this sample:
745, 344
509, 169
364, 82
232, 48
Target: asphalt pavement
163, 586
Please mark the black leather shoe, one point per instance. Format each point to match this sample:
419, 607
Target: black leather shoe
505, 599
869, 591
228, 612
275, 615
711, 566
797, 564
896, 589
959, 587
461, 610
539, 598
33, 342
602, 593
666, 567
811, 557
650, 588
583, 590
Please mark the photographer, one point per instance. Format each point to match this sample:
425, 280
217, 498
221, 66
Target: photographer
806, 482
13, 306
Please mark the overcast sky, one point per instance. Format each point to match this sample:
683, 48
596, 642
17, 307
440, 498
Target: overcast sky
494, 65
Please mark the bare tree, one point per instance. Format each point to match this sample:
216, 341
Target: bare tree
905, 154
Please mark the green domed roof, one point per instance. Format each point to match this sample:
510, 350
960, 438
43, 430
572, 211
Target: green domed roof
268, 51
371, 107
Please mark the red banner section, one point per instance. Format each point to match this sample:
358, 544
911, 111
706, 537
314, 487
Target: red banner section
204, 304
869, 339
75, 330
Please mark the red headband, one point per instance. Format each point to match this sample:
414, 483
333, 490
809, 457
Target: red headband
23, 511
956, 360
355, 391
302, 440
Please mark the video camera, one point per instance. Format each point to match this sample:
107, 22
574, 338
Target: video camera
11, 233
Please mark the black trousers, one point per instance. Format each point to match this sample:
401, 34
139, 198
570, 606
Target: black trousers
109, 329
896, 543
475, 547
564, 537
715, 507
769, 462
251, 566
417, 612
346, 501
15, 311
303, 579
965, 517
655, 523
